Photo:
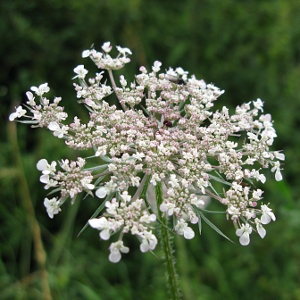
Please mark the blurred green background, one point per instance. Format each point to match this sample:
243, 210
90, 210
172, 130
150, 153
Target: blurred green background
249, 48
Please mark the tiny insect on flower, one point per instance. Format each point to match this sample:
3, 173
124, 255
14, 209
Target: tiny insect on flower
176, 79
167, 123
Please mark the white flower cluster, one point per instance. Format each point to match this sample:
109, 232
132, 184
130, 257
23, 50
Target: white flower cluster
70, 182
104, 61
126, 216
44, 113
164, 134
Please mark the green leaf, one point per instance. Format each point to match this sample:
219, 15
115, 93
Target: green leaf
99, 180
145, 188
97, 168
200, 224
97, 212
213, 211
221, 180
208, 222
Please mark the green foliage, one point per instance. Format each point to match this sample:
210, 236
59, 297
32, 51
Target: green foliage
249, 48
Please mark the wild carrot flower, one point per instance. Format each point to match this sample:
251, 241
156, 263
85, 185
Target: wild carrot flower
163, 132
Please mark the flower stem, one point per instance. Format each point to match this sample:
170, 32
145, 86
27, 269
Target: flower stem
172, 277
113, 83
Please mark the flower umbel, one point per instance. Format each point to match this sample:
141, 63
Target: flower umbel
164, 132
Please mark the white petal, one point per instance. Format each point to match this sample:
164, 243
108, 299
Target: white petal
265, 219
95, 223
144, 247
104, 234
106, 47
239, 232
261, 231
189, 233
153, 244
163, 207
53, 126
114, 256
124, 249
89, 186
152, 218
29, 96
12, 116
194, 220
42, 164
262, 178
244, 239
101, 192
44, 179
86, 53
278, 175
280, 156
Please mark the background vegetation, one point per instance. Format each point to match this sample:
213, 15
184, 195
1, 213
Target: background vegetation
249, 48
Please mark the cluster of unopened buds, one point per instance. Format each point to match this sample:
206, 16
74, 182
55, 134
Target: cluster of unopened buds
162, 131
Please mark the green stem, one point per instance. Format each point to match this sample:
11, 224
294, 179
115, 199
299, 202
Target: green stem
165, 237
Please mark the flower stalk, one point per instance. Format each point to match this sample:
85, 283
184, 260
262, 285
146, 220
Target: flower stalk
167, 247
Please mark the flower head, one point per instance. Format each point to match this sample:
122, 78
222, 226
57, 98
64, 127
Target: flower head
163, 136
